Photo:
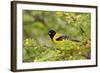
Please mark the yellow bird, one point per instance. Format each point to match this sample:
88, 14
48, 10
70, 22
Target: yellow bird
58, 38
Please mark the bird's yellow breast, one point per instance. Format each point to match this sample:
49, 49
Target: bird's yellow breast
55, 37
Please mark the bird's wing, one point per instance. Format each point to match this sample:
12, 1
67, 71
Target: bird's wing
70, 38
67, 37
60, 38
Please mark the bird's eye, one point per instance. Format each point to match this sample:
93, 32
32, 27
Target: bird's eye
49, 33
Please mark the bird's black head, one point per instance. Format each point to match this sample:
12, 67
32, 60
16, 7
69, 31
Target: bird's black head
51, 33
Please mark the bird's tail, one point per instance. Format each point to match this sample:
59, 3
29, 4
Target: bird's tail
69, 38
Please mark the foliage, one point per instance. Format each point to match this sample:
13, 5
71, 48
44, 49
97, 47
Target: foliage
37, 45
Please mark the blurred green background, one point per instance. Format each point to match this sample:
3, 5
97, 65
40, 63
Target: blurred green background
37, 45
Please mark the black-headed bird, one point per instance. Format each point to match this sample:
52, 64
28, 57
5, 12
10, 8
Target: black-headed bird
58, 38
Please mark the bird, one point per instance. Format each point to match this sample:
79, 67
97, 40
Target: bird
58, 38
